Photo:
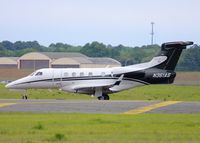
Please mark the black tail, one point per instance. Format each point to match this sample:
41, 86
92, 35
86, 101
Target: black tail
172, 50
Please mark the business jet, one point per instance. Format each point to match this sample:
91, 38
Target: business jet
103, 81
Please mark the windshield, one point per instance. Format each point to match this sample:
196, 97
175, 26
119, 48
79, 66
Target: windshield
38, 74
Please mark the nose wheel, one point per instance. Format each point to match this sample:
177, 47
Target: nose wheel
25, 96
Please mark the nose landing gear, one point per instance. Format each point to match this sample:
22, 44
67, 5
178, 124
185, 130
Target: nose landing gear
25, 95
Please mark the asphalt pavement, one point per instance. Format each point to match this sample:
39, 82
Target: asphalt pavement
99, 107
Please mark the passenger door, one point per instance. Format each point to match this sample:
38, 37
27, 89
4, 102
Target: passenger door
57, 78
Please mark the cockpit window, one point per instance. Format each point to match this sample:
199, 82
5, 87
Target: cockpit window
38, 74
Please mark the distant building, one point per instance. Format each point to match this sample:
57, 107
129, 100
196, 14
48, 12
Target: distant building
33, 60
8, 62
64, 60
101, 63
37, 60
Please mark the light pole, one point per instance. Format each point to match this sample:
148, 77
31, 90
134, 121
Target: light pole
152, 32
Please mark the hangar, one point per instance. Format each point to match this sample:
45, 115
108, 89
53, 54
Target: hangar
82, 61
101, 63
34, 60
38, 60
8, 62
64, 60
65, 63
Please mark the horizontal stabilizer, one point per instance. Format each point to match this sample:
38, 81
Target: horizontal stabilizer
177, 44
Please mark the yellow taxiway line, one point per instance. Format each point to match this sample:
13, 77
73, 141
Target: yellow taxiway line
151, 107
6, 104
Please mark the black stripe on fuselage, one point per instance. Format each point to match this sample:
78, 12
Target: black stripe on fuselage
81, 78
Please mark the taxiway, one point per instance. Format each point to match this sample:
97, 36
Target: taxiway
98, 107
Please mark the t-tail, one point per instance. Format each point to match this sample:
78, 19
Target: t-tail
172, 50
167, 59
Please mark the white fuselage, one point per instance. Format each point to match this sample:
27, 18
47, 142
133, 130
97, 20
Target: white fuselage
84, 80
72, 80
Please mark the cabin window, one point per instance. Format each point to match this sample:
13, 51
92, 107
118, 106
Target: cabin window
66, 74
73, 74
103, 74
82, 74
90, 74
38, 74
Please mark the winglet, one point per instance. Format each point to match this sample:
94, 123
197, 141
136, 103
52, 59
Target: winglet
119, 80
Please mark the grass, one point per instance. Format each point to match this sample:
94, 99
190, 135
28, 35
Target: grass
152, 92
39, 94
59, 136
161, 92
38, 126
95, 128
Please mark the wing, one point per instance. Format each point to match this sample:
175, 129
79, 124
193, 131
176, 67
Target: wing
90, 86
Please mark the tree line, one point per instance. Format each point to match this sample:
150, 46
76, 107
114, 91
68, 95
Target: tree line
189, 61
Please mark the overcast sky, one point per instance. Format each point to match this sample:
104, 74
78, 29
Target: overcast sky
113, 22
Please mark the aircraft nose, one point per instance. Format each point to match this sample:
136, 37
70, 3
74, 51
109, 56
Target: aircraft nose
17, 84
9, 85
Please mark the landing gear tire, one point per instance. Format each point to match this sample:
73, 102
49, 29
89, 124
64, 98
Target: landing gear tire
100, 98
104, 97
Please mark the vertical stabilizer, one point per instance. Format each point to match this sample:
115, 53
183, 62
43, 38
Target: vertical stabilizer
172, 50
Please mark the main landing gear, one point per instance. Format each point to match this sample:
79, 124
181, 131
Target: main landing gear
100, 95
104, 97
